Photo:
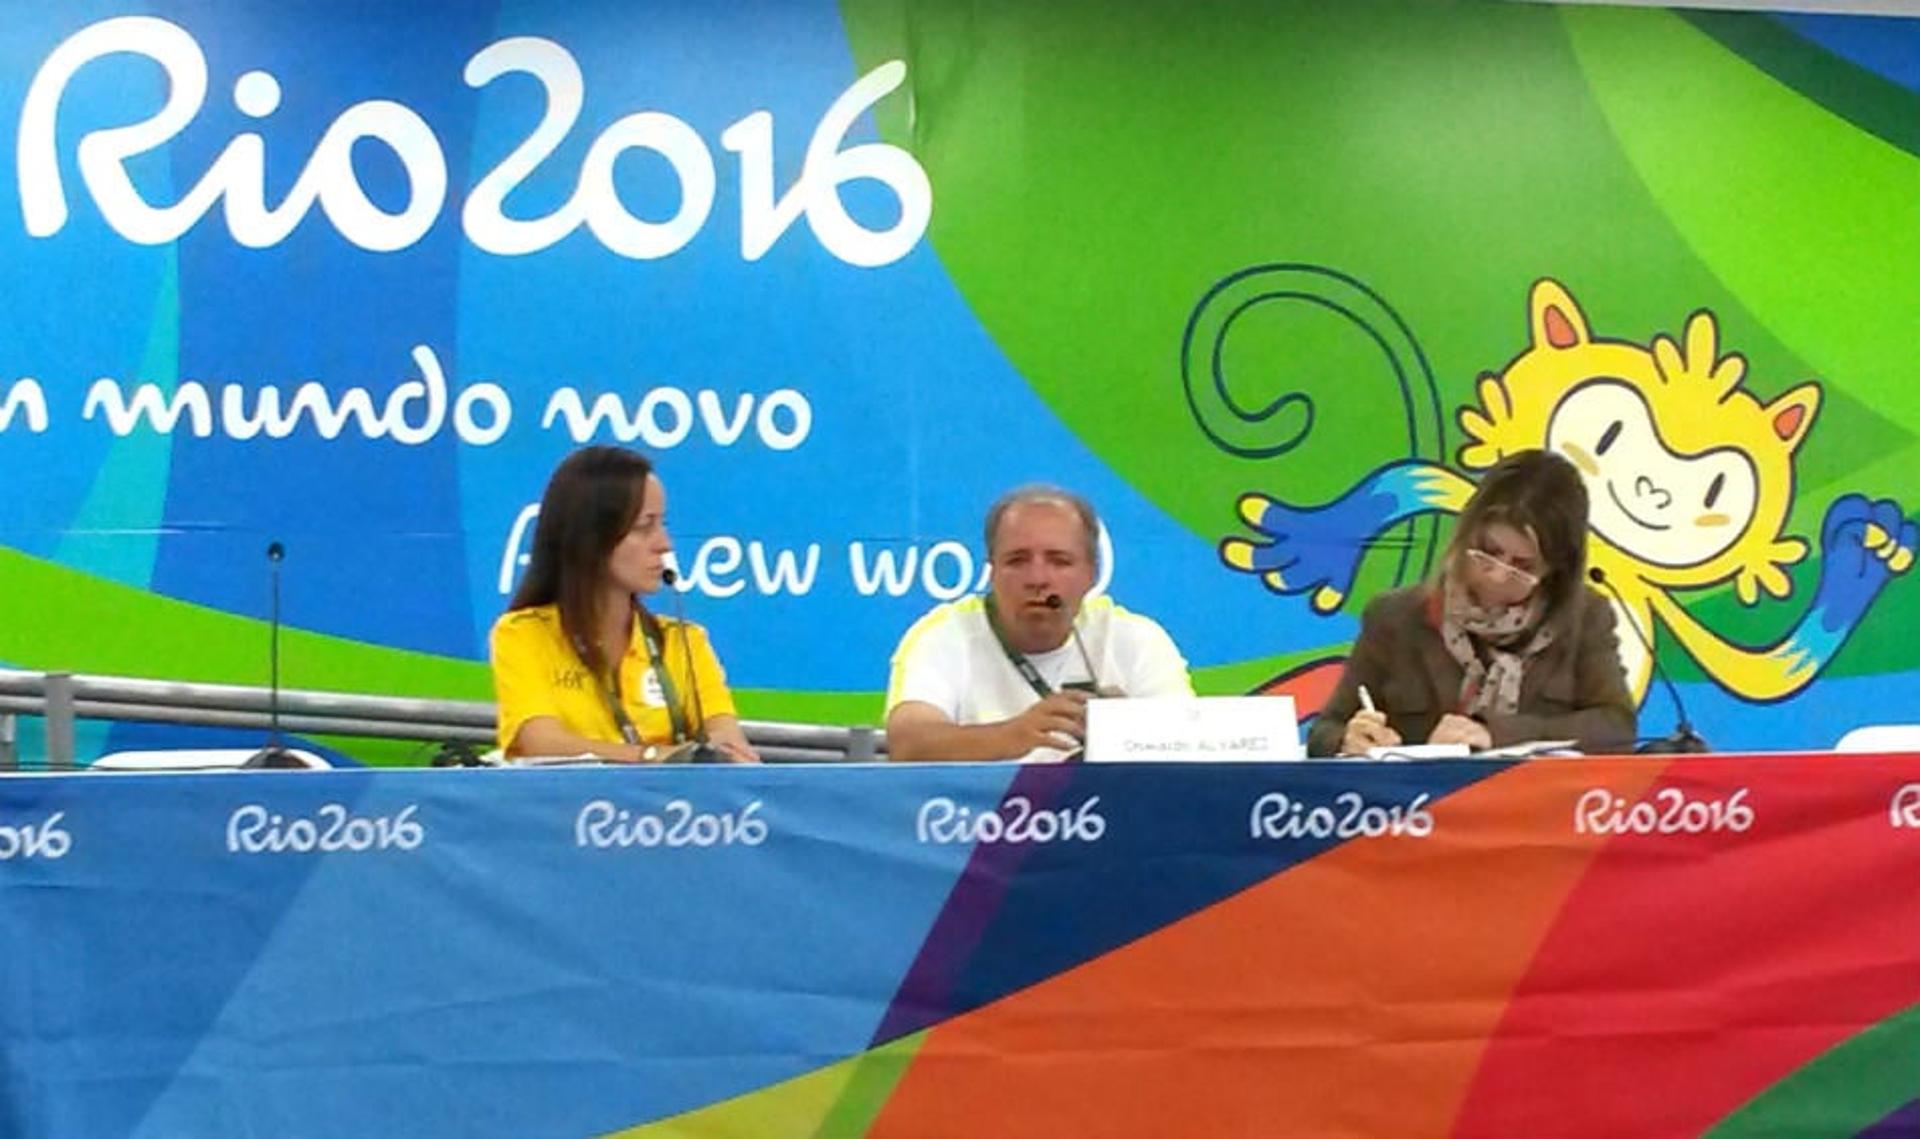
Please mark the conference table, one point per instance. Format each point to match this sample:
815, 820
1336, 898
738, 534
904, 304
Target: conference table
1580, 947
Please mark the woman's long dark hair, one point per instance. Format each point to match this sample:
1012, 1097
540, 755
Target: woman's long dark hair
1535, 492
589, 505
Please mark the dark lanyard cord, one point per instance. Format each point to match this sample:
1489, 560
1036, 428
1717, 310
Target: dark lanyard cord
656, 651
1019, 659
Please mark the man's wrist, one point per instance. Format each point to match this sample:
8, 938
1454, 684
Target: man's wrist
1006, 739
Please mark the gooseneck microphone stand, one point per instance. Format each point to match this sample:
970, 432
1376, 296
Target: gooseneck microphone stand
1683, 740
274, 755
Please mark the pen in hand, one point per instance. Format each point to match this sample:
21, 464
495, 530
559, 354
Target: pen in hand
1367, 728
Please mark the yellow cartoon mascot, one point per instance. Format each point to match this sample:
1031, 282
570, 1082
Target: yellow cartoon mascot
1691, 478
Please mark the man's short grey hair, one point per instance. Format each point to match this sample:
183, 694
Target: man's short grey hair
1037, 493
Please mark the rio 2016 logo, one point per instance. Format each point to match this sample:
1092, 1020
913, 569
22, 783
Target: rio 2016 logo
602, 825
253, 829
236, 178
1015, 822
1668, 811
1275, 815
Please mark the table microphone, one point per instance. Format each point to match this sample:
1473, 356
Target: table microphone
1055, 601
274, 755
1683, 740
703, 749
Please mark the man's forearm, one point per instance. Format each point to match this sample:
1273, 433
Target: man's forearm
931, 741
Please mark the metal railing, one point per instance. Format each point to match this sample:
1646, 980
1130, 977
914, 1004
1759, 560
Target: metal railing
61, 698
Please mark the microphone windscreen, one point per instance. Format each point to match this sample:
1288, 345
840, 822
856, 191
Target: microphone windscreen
668, 577
1054, 601
1596, 575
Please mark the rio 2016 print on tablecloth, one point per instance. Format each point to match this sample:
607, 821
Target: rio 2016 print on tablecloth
1582, 948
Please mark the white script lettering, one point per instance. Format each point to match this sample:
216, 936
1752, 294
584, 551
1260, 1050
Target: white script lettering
252, 829
664, 417
47, 840
25, 398
603, 826
1275, 815
1669, 811
1014, 821
414, 412
236, 177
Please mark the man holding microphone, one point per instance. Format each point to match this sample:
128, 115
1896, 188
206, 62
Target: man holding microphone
1007, 674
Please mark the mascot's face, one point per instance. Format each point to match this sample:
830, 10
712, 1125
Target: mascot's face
1648, 500
1690, 476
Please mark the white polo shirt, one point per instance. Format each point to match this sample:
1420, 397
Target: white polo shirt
951, 660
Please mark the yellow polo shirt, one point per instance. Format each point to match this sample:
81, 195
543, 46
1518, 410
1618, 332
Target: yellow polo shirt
537, 673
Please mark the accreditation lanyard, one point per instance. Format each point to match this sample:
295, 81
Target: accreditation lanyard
1019, 659
657, 663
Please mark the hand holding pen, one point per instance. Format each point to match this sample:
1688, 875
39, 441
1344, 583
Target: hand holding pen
1367, 728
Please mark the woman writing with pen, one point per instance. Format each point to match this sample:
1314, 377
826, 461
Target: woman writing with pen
1505, 644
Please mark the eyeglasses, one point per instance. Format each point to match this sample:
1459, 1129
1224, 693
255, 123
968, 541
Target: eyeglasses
1491, 564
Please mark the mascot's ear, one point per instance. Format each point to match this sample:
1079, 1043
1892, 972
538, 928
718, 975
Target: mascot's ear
1558, 323
1793, 413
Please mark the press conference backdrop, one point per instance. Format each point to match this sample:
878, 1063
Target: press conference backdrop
1271, 282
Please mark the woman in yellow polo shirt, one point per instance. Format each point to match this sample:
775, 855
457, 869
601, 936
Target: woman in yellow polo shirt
580, 667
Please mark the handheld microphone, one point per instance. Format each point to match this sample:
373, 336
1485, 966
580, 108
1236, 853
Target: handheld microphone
703, 750
1055, 601
1683, 740
274, 755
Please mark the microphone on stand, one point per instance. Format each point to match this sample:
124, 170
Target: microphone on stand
703, 749
274, 755
1683, 740
1092, 686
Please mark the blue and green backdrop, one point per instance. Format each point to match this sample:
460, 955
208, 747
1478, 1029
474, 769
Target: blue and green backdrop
1271, 282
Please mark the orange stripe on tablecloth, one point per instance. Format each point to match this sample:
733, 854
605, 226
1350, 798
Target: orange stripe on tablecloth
1349, 995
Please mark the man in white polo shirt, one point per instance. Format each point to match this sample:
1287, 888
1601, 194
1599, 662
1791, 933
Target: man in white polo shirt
1003, 675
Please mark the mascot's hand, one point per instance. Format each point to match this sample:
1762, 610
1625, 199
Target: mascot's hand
1314, 551
1863, 545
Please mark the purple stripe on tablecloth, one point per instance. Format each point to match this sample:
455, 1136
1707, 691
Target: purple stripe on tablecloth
926, 995
1904, 1123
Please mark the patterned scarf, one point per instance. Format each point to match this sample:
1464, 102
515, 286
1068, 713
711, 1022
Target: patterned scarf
1512, 635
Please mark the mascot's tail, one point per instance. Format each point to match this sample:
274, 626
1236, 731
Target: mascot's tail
1271, 409
1284, 420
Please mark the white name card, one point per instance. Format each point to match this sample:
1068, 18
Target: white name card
1208, 728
